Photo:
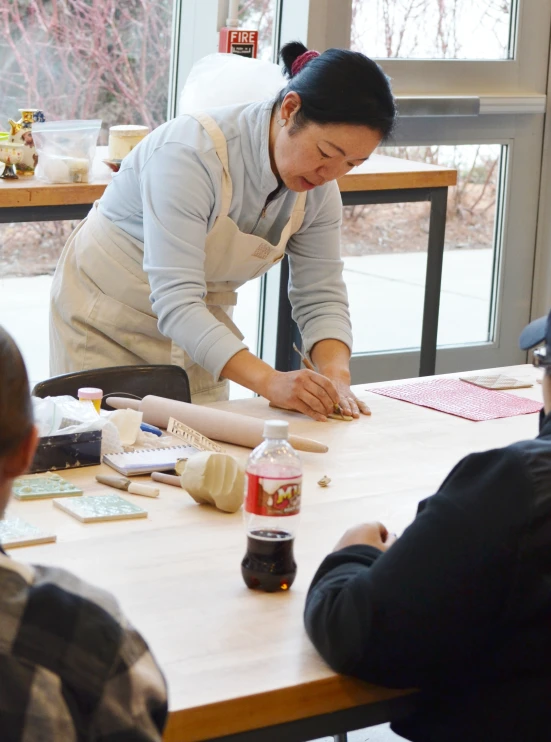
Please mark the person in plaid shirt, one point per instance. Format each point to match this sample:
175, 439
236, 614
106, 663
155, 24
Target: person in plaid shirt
71, 666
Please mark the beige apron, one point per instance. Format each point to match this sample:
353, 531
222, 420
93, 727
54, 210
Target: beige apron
101, 314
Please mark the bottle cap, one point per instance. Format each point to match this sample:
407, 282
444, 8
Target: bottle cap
276, 429
90, 392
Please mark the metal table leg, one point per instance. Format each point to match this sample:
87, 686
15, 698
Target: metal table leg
287, 329
435, 257
56, 213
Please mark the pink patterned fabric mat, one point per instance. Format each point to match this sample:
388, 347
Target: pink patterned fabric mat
460, 398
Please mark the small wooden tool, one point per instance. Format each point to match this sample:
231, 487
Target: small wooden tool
133, 488
160, 476
337, 413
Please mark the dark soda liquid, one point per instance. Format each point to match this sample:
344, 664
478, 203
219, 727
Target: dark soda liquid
269, 564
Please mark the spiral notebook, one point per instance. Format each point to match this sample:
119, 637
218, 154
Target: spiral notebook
144, 461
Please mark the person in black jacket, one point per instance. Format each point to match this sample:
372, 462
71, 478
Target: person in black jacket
460, 605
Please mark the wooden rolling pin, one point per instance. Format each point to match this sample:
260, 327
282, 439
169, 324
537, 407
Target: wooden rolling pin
216, 424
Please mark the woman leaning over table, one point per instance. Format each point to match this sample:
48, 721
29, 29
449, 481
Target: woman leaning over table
209, 201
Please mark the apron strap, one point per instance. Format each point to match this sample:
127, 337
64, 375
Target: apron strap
299, 210
221, 298
215, 133
295, 220
217, 136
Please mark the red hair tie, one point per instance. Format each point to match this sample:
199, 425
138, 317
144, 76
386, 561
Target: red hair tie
299, 62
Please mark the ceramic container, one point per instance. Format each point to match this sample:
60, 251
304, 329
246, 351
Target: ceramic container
21, 133
123, 139
11, 155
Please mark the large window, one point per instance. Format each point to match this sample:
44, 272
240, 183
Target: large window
436, 53
108, 59
73, 59
496, 51
384, 249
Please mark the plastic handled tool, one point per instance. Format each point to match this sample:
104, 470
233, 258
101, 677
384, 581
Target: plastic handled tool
133, 488
150, 429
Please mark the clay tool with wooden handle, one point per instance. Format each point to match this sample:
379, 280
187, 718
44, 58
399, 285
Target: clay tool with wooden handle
133, 488
337, 413
161, 476
219, 425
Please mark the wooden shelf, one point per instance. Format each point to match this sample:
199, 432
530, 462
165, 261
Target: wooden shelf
378, 173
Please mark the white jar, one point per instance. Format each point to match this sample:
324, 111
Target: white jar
123, 139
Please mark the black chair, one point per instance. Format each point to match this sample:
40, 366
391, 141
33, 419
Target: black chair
121, 381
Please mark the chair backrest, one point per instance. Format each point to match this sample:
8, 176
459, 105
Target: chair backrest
136, 381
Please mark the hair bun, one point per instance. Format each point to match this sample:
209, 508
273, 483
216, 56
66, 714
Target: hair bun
288, 54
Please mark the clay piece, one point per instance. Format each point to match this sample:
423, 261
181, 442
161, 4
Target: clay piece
340, 416
214, 478
325, 481
497, 381
38, 488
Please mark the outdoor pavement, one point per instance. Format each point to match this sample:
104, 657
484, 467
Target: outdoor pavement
385, 293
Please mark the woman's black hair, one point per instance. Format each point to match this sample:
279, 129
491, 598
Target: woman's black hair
16, 412
339, 87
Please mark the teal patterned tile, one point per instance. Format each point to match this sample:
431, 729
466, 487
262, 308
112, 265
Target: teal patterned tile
90, 508
47, 485
17, 532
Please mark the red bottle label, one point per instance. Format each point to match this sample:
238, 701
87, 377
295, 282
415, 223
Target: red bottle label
271, 496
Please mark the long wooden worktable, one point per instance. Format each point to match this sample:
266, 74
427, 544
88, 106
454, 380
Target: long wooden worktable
238, 663
379, 173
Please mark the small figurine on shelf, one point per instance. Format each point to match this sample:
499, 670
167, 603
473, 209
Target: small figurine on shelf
21, 133
10, 154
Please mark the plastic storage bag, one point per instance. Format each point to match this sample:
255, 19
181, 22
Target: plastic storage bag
65, 415
66, 150
227, 79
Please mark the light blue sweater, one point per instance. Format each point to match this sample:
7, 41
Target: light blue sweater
168, 194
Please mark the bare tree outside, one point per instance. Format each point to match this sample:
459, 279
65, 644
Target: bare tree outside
396, 228
78, 59
259, 15
83, 59
432, 29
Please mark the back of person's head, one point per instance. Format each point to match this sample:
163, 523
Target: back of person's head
17, 433
338, 87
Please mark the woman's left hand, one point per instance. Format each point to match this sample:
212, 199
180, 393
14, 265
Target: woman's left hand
349, 403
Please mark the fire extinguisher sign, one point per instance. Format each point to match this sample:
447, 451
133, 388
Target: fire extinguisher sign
235, 41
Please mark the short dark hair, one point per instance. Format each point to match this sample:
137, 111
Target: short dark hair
339, 87
16, 412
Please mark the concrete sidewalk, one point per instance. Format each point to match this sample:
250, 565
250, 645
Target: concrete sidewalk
385, 294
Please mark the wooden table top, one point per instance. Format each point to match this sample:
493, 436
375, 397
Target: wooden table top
380, 172
235, 659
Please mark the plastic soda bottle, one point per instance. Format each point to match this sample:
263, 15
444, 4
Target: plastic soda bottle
273, 484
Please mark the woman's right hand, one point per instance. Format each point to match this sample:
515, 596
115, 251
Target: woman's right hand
304, 391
